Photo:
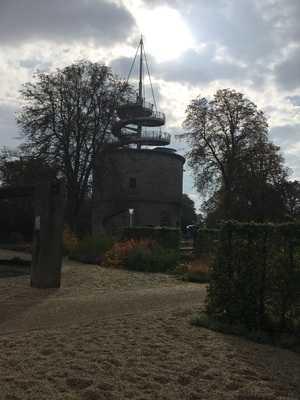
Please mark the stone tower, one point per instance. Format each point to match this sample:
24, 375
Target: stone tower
135, 184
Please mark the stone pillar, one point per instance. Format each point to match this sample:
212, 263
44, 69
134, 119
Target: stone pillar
48, 233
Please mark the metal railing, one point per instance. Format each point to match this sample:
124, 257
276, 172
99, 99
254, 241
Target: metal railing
148, 135
137, 103
158, 115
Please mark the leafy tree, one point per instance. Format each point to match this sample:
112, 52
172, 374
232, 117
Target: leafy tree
66, 120
17, 169
258, 184
17, 214
188, 213
291, 195
231, 154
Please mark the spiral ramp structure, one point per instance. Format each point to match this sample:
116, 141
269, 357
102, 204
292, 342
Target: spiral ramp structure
135, 122
139, 122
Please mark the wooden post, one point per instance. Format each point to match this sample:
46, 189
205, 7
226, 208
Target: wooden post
48, 230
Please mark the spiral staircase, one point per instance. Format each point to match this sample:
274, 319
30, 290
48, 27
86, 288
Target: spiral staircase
139, 122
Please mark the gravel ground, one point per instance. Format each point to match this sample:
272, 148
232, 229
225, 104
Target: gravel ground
110, 334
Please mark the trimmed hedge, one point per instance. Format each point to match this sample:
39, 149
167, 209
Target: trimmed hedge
255, 277
206, 242
166, 237
154, 260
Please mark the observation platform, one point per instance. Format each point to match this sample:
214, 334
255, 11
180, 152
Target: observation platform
135, 109
133, 116
156, 119
146, 138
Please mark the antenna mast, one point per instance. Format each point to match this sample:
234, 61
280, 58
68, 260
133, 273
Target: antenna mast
140, 98
136, 115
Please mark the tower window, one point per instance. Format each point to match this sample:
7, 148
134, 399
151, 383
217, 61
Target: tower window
132, 183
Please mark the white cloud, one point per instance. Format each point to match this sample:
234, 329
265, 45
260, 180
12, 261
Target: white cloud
166, 34
64, 21
194, 47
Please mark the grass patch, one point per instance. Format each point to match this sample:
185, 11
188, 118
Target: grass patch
285, 340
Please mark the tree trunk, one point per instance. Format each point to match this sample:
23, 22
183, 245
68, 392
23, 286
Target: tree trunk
73, 210
228, 202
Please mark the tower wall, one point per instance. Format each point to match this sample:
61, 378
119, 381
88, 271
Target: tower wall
149, 181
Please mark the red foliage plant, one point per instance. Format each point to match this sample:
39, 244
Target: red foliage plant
116, 256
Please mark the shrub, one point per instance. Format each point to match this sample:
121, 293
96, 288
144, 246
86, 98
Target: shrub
255, 278
156, 259
285, 340
181, 269
197, 271
91, 249
116, 256
139, 259
141, 255
165, 236
196, 277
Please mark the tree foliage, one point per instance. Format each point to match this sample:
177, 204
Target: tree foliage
17, 214
17, 169
231, 154
188, 213
291, 196
66, 120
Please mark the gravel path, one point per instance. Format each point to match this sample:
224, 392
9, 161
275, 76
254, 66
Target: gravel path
110, 334
8, 254
46, 312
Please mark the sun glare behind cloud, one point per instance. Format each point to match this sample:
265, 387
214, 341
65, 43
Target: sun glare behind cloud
166, 34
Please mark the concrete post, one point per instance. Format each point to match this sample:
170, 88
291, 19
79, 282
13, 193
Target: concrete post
48, 230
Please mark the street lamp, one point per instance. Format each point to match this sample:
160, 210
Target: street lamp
131, 212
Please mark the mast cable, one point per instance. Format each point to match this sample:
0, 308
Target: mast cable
144, 89
133, 62
150, 82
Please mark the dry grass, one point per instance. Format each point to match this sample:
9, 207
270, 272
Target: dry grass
111, 334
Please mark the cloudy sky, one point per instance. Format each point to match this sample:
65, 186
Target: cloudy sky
194, 47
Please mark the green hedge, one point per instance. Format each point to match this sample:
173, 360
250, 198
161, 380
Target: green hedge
206, 242
156, 259
91, 248
255, 278
164, 236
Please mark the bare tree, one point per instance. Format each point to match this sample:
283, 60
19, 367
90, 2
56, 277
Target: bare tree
66, 120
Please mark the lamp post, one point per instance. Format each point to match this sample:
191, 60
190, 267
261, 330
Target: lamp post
131, 212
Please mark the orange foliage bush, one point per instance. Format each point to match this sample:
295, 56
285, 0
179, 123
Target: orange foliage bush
116, 256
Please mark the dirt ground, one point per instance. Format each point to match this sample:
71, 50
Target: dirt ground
111, 334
